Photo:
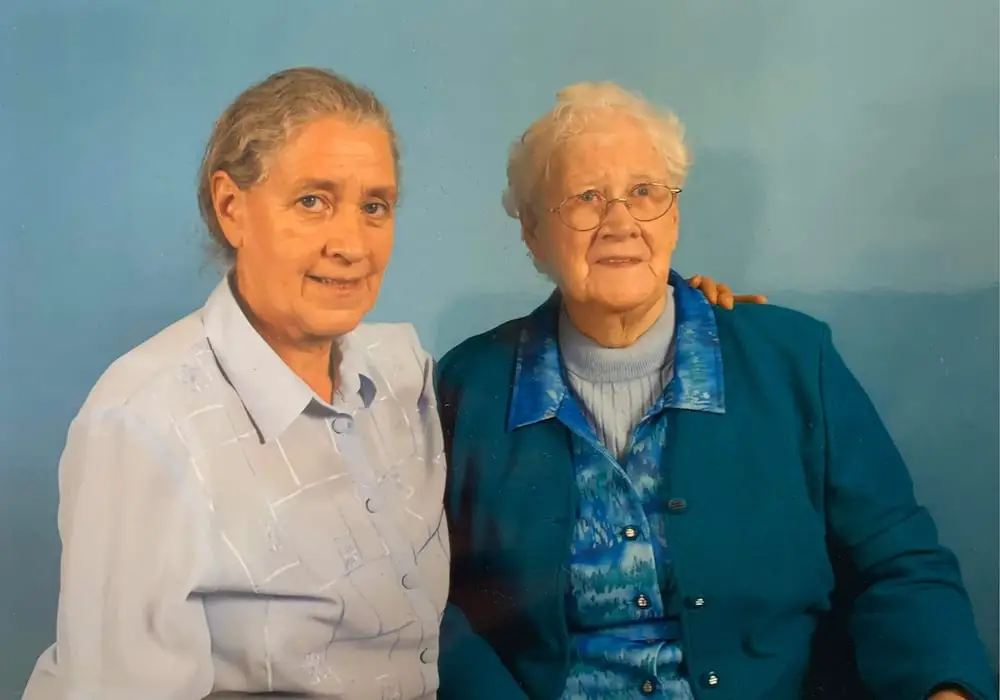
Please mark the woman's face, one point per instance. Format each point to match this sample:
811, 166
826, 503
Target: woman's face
622, 265
314, 237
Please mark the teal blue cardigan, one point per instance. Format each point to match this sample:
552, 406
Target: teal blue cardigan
802, 557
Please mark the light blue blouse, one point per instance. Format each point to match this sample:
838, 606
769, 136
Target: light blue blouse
224, 529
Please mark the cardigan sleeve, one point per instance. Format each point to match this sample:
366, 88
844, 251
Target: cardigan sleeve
911, 620
468, 666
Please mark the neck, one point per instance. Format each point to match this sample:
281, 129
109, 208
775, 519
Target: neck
614, 329
316, 364
313, 360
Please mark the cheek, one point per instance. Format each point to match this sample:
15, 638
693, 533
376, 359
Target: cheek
263, 242
381, 247
291, 248
663, 239
570, 254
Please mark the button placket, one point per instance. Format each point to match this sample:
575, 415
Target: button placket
379, 508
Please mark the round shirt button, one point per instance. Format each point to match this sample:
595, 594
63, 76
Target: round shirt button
710, 679
409, 581
370, 506
642, 601
677, 505
647, 687
342, 424
630, 533
695, 602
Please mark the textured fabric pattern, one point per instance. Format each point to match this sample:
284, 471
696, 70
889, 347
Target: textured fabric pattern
614, 409
624, 635
616, 387
225, 530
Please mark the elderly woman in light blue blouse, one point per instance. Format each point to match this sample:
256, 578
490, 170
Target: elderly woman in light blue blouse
251, 500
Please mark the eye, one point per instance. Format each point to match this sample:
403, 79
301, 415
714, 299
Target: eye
589, 196
310, 202
641, 191
376, 209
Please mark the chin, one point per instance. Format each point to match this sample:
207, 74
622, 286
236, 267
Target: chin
330, 324
626, 300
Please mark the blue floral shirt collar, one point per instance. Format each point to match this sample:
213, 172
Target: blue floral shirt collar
540, 390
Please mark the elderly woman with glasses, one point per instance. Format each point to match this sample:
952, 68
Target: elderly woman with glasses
649, 496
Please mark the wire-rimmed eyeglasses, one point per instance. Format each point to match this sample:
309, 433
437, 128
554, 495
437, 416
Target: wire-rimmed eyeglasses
646, 201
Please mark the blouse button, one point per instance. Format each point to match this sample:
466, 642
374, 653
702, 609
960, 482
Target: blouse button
642, 601
710, 679
677, 505
648, 686
342, 424
630, 533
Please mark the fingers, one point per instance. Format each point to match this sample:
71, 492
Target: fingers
719, 294
708, 287
750, 299
726, 298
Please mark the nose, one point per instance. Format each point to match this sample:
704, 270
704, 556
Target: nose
618, 221
345, 239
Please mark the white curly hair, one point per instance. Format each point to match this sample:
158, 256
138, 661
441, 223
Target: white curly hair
576, 105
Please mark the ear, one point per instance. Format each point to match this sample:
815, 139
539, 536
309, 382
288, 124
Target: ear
229, 202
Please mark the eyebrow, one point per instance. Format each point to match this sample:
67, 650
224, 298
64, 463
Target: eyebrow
634, 179
386, 192
314, 183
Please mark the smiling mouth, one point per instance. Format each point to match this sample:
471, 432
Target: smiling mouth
337, 282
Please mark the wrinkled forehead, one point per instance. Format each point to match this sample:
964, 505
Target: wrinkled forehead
607, 150
335, 147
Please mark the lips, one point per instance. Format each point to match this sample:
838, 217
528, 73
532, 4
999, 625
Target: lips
341, 282
618, 260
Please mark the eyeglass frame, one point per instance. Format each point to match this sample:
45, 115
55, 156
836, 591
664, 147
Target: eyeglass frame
674, 191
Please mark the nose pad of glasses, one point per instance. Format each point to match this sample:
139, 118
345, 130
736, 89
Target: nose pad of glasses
618, 220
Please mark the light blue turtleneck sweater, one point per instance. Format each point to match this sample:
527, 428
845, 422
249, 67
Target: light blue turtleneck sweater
617, 386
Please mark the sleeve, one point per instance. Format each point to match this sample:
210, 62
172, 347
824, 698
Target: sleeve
468, 667
911, 621
128, 626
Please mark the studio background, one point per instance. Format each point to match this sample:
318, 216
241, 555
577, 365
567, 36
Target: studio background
845, 164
